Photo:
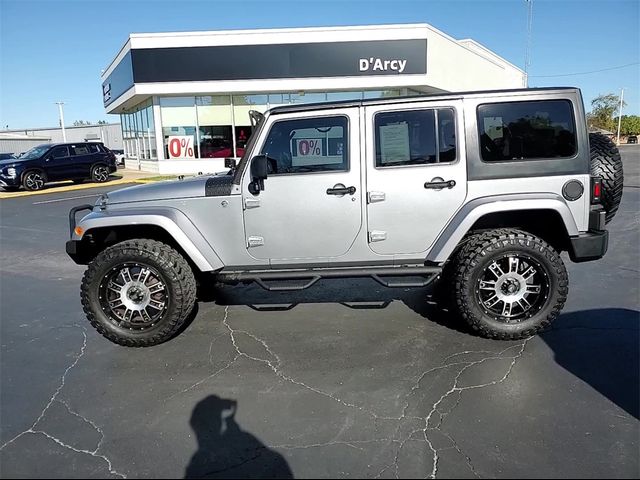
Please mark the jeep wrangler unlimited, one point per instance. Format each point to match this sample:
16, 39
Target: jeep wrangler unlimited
481, 191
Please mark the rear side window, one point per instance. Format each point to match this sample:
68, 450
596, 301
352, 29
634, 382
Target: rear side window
415, 137
79, 150
94, 148
526, 130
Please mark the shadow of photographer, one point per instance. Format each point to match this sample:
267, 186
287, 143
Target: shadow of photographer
227, 451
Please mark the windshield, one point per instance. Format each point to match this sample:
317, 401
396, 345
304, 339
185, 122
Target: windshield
257, 120
35, 152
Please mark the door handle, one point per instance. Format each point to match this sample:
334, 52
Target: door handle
439, 184
341, 190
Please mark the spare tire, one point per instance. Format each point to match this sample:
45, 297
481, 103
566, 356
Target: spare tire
606, 163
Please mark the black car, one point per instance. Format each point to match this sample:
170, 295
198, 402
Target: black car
632, 139
55, 162
7, 156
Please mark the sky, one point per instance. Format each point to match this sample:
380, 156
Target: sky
55, 50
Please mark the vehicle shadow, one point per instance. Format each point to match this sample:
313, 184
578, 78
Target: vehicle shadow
357, 294
601, 347
225, 450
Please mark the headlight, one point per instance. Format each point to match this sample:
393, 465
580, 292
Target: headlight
11, 172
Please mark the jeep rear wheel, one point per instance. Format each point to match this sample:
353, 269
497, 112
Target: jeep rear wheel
138, 293
508, 284
606, 163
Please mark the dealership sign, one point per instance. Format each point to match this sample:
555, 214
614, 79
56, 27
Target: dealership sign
379, 64
180, 146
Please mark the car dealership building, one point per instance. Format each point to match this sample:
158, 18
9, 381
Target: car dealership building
184, 98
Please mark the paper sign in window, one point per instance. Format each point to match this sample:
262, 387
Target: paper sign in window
394, 143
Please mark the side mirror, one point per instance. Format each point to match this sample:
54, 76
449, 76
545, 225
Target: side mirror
229, 163
259, 167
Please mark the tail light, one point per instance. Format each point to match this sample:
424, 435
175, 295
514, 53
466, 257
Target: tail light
596, 189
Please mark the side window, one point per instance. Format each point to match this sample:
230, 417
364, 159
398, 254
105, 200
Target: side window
94, 148
415, 137
60, 152
526, 130
79, 150
308, 145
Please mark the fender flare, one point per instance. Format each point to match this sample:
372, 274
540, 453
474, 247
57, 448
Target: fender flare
471, 212
173, 221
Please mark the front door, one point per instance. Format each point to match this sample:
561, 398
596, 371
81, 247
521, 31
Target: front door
416, 174
310, 207
57, 162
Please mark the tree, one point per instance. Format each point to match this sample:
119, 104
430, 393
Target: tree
602, 109
102, 122
630, 124
81, 123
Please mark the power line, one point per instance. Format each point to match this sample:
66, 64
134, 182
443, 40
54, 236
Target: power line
585, 73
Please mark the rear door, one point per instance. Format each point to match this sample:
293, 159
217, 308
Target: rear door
310, 207
416, 173
82, 160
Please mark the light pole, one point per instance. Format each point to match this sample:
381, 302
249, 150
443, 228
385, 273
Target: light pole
64, 135
620, 114
527, 53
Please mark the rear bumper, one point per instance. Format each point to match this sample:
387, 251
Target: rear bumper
589, 246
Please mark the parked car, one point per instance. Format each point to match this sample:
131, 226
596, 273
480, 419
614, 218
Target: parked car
469, 190
632, 139
7, 156
55, 162
119, 156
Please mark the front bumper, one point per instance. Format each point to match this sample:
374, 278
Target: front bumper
9, 181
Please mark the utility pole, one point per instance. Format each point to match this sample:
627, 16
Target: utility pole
620, 115
527, 54
64, 135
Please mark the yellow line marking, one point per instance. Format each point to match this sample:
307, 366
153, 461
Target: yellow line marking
68, 188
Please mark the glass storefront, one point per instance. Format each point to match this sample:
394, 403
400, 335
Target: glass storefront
213, 126
138, 132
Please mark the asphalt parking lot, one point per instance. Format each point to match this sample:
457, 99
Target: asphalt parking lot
347, 379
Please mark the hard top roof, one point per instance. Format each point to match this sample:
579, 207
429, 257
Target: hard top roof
395, 100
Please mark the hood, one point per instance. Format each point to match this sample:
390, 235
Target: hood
188, 188
11, 161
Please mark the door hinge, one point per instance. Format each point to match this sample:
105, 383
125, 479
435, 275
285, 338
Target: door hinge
375, 197
255, 242
251, 203
377, 236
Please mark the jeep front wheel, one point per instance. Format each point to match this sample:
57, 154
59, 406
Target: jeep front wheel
508, 284
138, 293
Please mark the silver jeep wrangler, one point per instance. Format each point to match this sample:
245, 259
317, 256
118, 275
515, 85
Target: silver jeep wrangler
480, 191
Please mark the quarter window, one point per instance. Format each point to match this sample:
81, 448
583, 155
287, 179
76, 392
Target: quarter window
526, 130
415, 137
79, 150
308, 145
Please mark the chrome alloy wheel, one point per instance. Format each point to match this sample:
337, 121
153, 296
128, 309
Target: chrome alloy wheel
513, 288
133, 296
34, 181
100, 174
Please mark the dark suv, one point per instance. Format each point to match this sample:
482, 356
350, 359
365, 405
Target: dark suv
55, 162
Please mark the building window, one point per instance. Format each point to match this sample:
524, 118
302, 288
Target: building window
526, 130
179, 124
308, 145
415, 137
215, 125
138, 132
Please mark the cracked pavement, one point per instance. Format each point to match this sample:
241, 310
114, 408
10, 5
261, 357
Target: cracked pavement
353, 380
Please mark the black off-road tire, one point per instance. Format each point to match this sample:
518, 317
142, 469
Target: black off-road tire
606, 163
176, 273
477, 253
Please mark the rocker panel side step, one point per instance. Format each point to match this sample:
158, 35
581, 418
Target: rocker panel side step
312, 275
